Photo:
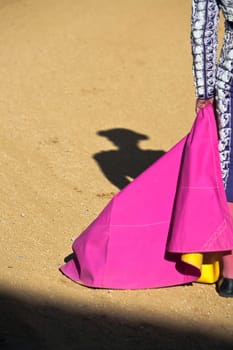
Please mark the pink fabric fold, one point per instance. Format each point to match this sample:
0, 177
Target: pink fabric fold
178, 205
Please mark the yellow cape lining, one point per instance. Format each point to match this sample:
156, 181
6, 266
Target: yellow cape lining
209, 270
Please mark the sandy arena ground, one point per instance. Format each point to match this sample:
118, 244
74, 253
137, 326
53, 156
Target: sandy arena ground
70, 69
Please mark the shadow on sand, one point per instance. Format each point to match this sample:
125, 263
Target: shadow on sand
30, 323
127, 161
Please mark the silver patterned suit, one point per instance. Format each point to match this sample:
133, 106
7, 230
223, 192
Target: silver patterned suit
215, 79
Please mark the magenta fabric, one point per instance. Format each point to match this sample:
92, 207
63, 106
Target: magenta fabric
178, 205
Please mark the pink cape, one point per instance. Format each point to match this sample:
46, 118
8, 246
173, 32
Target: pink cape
178, 205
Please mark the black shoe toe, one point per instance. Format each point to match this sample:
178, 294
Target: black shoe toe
225, 287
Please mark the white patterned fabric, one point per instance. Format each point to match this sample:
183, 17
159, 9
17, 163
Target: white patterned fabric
224, 107
214, 79
205, 16
227, 9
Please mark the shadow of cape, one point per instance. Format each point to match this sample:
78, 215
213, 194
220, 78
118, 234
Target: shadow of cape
30, 323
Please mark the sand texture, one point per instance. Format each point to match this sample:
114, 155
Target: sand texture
71, 71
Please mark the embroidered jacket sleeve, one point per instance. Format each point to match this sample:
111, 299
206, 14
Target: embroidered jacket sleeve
204, 38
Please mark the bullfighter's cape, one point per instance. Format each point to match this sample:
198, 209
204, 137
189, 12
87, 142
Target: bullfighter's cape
159, 230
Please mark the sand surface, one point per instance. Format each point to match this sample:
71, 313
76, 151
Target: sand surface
69, 70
